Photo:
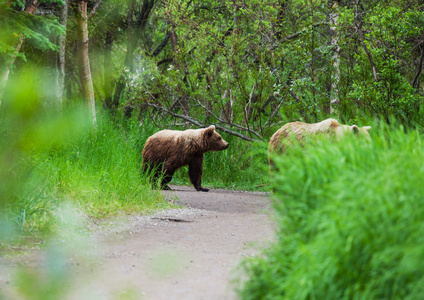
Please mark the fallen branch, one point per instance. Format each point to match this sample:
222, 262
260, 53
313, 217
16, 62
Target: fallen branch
198, 123
226, 122
218, 118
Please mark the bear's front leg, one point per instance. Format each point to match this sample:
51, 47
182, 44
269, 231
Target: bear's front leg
165, 180
195, 170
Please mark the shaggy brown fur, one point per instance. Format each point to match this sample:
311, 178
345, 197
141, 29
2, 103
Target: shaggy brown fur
174, 149
298, 131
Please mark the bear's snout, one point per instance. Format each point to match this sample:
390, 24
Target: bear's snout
226, 146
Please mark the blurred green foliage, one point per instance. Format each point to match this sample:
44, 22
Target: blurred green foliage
350, 219
36, 29
48, 157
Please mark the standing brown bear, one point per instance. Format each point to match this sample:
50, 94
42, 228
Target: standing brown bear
174, 149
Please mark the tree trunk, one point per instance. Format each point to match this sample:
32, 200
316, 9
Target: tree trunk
60, 63
107, 69
335, 74
83, 59
5, 76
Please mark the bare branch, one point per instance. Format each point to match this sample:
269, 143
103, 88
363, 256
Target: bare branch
96, 6
198, 123
218, 118
293, 94
362, 38
161, 45
276, 110
419, 67
226, 122
295, 35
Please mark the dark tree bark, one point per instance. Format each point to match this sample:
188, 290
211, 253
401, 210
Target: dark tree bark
107, 69
161, 45
419, 68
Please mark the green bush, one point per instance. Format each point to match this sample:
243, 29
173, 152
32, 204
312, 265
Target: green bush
350, 217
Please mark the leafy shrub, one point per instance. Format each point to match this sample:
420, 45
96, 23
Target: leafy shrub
350, 217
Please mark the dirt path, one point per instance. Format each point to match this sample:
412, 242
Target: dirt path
189, 253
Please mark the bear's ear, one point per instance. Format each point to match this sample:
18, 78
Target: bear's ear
366, 128
354, 129
210, 130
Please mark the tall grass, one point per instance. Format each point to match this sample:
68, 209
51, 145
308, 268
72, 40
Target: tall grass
350, 217
98, 171
102, 170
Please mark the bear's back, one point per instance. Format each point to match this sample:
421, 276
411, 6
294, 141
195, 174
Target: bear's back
299, 131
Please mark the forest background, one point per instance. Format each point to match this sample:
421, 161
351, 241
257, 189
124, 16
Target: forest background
84, 83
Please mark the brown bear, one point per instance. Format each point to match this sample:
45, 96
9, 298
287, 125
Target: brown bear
168, 150
298, 131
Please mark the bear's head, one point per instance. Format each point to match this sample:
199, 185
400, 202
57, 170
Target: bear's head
213, 140
355, 130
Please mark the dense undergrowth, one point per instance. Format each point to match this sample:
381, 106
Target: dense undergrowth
350, 219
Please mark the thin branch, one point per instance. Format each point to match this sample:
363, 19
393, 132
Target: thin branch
161, 45
165, 61
293, 94
276, 110
198, 123
93, 11
419, 67
218, 118
295, 35
362, 38
226, 122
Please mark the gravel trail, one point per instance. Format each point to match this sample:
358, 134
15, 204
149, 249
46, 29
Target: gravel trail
188, 253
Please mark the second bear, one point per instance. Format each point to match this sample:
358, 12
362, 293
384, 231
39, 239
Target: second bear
174, 149
298, 131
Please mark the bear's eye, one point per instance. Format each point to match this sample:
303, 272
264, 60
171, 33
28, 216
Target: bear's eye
219, 138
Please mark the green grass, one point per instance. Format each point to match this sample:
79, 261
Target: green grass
102, 171
350, 217
97, 171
